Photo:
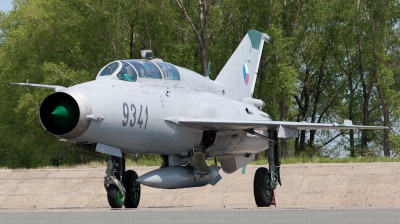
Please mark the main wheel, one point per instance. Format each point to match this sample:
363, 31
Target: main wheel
115, 197
132, 188
262, 194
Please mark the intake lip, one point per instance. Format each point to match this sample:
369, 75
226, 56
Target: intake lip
63, 113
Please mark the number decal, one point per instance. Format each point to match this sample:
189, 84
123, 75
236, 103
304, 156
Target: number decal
125, 110
147, 116
140, 121
132, 110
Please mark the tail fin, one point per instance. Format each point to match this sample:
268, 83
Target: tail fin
239, 74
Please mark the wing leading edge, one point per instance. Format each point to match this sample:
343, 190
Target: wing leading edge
56, 88
214, 124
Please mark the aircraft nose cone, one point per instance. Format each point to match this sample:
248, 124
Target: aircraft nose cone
65, 113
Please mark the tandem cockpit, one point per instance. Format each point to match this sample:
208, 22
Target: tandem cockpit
139, 70
157, 72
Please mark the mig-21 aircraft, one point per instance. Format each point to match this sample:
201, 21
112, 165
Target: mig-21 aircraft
147, 106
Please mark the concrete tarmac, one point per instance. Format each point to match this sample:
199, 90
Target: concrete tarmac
303, 186
363, 215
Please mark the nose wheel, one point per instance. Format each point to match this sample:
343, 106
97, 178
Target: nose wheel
115, 197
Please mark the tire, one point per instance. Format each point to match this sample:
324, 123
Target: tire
115, 197
132, 188
262, 195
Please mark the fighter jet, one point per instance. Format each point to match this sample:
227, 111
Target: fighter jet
148, 106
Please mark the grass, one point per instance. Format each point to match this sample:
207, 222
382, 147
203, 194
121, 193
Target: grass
157, 161
293, 160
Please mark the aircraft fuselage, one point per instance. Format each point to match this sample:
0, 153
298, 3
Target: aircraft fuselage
139, 116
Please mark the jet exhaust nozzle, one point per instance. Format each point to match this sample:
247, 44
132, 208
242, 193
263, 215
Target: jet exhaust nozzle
63, 113
179, 177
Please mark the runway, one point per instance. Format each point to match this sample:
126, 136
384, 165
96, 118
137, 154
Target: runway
201, 215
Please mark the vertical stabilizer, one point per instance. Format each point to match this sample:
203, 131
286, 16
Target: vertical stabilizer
239, 74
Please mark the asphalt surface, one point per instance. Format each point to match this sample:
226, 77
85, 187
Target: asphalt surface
201, 215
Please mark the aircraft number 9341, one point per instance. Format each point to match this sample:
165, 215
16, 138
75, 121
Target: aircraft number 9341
132, 110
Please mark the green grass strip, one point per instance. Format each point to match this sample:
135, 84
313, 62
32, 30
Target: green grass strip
293, 160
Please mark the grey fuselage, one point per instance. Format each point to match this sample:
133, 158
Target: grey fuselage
138, 117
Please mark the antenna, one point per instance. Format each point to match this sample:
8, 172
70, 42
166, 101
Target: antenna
147, 54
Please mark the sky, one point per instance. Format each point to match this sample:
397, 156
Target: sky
5, 5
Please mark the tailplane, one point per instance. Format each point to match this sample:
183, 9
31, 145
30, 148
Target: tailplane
239, 74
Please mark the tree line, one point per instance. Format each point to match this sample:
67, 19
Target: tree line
326, 61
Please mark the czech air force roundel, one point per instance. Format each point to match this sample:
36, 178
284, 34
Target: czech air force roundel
246, 75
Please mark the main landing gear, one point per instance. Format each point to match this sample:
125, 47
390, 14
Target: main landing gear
265, 181
121, 186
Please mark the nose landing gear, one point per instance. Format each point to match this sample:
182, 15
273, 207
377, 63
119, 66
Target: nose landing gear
121, 186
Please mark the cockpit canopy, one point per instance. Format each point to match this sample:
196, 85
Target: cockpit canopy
133, 70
